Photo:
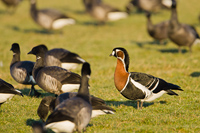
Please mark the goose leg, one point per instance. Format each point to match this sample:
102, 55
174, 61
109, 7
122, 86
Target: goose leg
138, 104
141, 105
37, 94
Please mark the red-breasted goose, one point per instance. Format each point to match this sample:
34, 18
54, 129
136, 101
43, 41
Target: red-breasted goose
49, 18
49, 103
62, 58
74, 113
148, 5
21, 71
52, 79
103, 12
7, 91
181, 34
11, 4
157, 31
138, 86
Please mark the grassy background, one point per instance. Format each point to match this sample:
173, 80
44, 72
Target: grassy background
94, 44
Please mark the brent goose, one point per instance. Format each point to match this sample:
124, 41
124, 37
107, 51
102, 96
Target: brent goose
21, 71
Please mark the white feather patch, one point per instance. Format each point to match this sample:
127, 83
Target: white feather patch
112, 16
96, 113
69, 66
32, 80
142, 88
154, 96
57, 24
5, 96
62, 126
70, 87
82, 60
167, 3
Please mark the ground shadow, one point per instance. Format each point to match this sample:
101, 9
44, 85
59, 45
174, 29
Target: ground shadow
195, 74
172, 50
127, 103
155, 42
131, 103
25, 91
30, 122
38, 31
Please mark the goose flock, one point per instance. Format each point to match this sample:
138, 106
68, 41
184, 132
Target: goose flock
72, 106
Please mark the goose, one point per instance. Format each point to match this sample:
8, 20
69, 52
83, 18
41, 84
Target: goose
49, 103
49, 19
138, 86
148, 5
157, 31
62, 58
103, 12
52, 79
21, 71
12, 4
73, 114
179, 33
7, 91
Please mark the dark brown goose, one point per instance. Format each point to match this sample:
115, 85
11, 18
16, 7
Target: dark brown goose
52, 79
62, 58
180, 34
21, 71
7, 91
11, 4
148, 5
103, 12
49, 103
50, 19
157, 31
74, 113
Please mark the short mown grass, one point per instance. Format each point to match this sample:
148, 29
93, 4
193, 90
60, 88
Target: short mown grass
94, 44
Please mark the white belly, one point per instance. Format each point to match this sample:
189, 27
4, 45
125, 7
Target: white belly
70, 87
4, 97
69, 66
62, 22
62, 126
112, 16
154, 96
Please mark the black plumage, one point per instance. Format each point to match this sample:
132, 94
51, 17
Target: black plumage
21, 71
7, 91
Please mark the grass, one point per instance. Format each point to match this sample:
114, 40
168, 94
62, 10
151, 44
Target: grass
94, 44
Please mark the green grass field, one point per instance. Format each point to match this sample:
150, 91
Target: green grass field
94, 44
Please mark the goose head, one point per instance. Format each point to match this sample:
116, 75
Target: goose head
15, 48
39, 50
121, 54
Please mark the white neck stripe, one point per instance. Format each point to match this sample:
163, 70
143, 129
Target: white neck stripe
126, 84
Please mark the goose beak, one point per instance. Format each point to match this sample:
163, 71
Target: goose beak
30, 52
110, 55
